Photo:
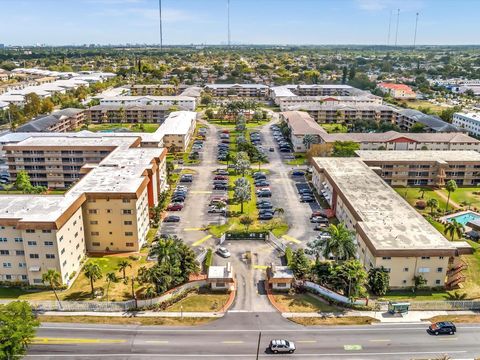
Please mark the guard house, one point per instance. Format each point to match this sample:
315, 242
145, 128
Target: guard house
221, 277
280, 277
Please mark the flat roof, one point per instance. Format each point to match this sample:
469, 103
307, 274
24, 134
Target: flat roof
220, 272
420, 155
302, 123
147, 97
70, 142
452, 137
387, 221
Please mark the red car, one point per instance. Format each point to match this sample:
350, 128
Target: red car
220, 177
174, 207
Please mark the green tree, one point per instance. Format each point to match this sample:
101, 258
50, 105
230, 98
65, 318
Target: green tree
92, 272
246, 221
378, 280
453, 227
417, 128
353, 277
242, 191
340, 243
242, 163
33, 105
22, 182
209, 114
345, 148
53, 279
418, 281
323, 270
300, 264
450, 186
111, 278
17, 329
47, 106
122, 267
309, 139
432, 204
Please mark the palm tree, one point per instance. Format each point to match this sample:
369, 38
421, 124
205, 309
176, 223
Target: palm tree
308, 140
279, 211
150, 292
93, 272
432, 204
450, 186
246, 221
340, 243
165, 250
122, 266
111, 277
53, 278
453, 228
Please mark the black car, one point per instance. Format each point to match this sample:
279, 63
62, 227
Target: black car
264, 194
172, 218
186, 178
263, 201
443, 327
305, 191
307, 198
265, 206
262, 183
265, 216
178, 199
220, 187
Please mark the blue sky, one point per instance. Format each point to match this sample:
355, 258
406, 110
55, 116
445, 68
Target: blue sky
59, 22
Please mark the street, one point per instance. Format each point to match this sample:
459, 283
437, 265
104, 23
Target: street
232, 337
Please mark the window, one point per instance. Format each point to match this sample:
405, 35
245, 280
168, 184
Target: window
92, 211
440, 269
128, 233
126, 212
440, 257
65, 263
30, 231
386, 258
437, 282
78, 245
405, 269
425, 257
2, 239
404, 281
281, 284
24, 277
4, 252
424, 270
95, 244
220, 284
126, 201
76, 234
61, 238
48, 243
127, 222
130, 244
32, 243
7, 265
48, 231
37, 281
94, 222
18, 240
109, 211
95, 233
34, 256
22, 265
50, 256
8, 277
63, 251
19, 252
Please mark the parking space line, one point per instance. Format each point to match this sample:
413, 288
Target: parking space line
262, 267
232, 342
291, 239
156, 341
200, 192
306, 341
202, 240
192, 229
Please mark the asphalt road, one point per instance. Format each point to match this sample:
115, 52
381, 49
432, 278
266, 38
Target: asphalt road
403, 341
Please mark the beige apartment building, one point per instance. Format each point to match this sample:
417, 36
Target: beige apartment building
389, 232
105, 212
127, 113
240, 90
424, 168
59, 121
153, 90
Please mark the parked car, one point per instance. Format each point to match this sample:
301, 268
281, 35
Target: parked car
282, 346
186, 178
320, 227
298, 173
307, 198
443, 327
264, 194
265, 216
265, 206
318, 213
171, 218
223, 252
218, 203
220, 177
271, 149
262, 183
220, 187
305, 191
319, 220
174, 207
221, 172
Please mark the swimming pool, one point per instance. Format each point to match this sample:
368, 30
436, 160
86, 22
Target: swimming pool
465, 217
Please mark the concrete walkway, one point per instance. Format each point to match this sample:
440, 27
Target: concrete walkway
385, 317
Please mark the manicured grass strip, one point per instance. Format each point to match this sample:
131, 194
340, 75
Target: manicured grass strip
341, 320
303, 303
117, 320
456, 318
200, 303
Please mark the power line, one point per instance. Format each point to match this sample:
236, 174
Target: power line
389, 27
415, 35
160, 18
228, 22
396, 31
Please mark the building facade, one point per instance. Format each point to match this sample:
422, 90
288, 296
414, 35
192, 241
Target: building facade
58, 121
182, 102
397, 91
468, 121
127, 114
240, 90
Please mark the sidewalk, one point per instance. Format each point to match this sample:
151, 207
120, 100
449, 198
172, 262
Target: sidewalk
135, 314
385, 317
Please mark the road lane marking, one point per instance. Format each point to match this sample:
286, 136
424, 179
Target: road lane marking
291, 239
448, 339
202, 240
262, 267
60, 341
156, 341
232, 342
380, 340
352, 347
192, 229
306, 341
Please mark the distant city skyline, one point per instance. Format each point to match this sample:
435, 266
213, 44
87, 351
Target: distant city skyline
302, 22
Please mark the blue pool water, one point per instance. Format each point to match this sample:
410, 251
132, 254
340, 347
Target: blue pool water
465, 218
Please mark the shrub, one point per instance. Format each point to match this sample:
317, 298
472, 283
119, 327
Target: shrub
289, 255
208, 259
420, 204
134, 257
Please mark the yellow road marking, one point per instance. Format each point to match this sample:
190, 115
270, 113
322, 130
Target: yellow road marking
380, 340
448, 339
262, 267
192, 229
306, 341
42, 340
202, 240
157, 341
291, 239
200, 192
232, 342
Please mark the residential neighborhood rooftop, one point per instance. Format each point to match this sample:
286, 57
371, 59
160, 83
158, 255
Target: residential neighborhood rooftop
420, 155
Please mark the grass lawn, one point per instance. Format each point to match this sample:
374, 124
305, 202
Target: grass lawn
80, 289
48, 192
231, 124
416, 104
419, 295
465, 196
341, 320
300, 159
149, 128
303, 303
456, 318
117, 320
12, 293
334, 128
195, 302
471, 286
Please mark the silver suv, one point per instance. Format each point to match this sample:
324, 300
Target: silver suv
282, 346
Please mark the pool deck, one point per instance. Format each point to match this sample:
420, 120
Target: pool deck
446, 218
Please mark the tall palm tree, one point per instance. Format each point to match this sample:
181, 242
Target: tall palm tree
279, 211
308, 140
453, 228
53, 278
450, 186
432, 204
122, 266
93, 272
150, 292
165, 250
111, 277
340, 243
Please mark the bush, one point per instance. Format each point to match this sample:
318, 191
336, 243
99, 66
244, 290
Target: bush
289, 255
421, 204
208, 259
134, 257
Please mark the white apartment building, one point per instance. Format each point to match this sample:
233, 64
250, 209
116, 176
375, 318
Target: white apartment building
468, 121
183, 102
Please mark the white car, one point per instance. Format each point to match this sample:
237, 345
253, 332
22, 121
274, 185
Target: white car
223, 252
282, 346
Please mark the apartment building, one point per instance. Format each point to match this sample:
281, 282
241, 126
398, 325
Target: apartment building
127, 113
406, 118
153, 90
105, 212
300, 124
240, 90
393, 140
424, 168
397, 91
177, 130
59, 121
182, 102
389, 232
468, 121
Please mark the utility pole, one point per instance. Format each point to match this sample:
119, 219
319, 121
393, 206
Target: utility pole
415, 35
160, 18
228, 22
396, 32
389, 27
